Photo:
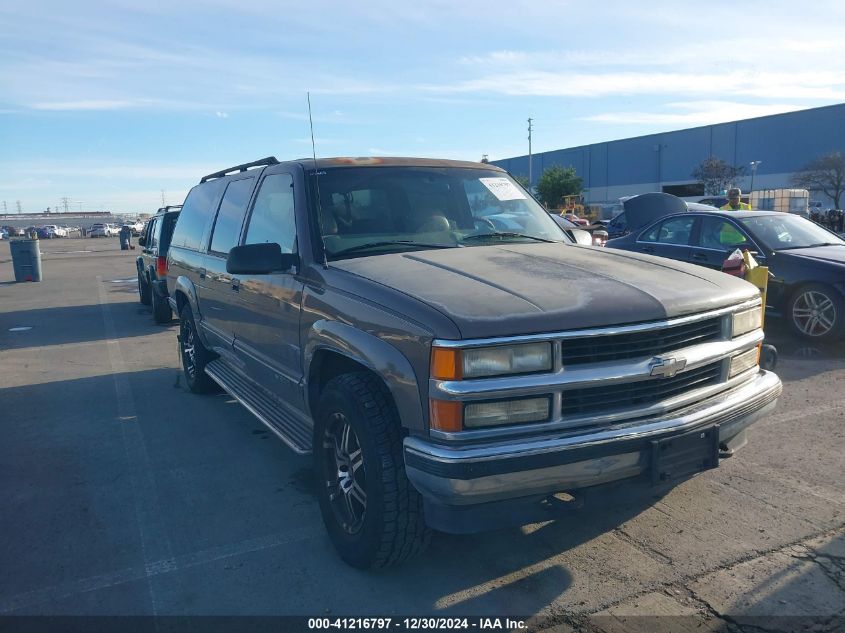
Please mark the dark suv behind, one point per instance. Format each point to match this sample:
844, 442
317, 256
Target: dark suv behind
449, 356
152, 262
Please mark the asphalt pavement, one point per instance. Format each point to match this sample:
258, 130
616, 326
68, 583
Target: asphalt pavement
123, 493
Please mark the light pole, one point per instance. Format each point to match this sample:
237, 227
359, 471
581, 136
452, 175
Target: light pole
530, 129
754, 164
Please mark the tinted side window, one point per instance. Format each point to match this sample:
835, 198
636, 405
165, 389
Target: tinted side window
167, 224
651, 234
676, 231
230, 217
272, 218
719, 234
154, 233
197, 210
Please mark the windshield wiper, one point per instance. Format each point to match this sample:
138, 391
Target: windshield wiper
403, 243
790, 248
479, 236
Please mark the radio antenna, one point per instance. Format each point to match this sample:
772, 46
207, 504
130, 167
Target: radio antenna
317, 183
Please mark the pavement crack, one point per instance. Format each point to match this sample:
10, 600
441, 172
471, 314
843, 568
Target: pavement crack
649, 551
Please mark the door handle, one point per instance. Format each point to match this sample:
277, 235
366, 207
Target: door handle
699, 257
202, 273
236, 285
648, 249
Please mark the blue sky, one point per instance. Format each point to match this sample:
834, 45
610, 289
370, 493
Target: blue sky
109, 103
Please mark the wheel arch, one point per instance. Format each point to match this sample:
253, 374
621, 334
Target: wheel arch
335, 348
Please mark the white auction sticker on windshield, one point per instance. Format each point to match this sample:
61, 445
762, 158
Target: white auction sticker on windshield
502, 188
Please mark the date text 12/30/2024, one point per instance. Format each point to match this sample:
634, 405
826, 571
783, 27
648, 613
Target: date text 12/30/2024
415, 624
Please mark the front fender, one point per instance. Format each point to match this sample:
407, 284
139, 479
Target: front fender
377, 355
186, 287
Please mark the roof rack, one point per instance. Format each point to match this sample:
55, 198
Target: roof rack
270, 160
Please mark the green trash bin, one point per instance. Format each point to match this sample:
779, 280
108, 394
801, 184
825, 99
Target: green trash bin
26, 260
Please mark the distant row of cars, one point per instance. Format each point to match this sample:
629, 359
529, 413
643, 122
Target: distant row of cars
50, 231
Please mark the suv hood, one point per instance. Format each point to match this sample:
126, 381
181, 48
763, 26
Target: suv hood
529, 288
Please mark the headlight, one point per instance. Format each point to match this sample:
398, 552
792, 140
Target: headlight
746, 321
482, 362
481, 414
744, 361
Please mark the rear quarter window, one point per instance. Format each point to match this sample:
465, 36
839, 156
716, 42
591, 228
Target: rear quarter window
196, 214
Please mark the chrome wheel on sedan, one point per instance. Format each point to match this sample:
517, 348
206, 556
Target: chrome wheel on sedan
815, 312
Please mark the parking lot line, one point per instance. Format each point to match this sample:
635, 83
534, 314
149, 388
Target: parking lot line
153, 568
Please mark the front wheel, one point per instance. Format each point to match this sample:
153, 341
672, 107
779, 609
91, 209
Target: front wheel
372, 513
816, 312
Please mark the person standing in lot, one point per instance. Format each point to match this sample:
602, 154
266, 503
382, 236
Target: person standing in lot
840, 220
735, 201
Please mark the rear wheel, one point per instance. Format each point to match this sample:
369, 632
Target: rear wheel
372, 513
144, 290
194, 355
816, 312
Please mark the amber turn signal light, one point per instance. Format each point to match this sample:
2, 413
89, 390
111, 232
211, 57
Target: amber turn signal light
446, 415
445, 363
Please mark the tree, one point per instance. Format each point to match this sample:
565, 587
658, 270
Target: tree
716, 175
826, 174
556, 183
523, 180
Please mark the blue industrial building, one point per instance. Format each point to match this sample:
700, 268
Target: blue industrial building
664, 162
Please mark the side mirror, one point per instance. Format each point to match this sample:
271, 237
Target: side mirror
582, 237
259, 259
142, 241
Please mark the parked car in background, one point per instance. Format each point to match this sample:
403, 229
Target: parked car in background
136, 226
151, 264
806, 261
576, 220
103, 230
447, 373
53, 230
4, 234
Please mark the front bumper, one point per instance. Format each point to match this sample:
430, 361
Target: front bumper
474, 475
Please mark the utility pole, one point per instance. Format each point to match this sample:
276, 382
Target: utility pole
5, 207
163, 199
19, 205
530, 129
65, 202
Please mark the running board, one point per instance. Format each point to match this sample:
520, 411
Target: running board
262, 405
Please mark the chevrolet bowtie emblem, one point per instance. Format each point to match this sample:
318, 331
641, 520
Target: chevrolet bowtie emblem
667, 367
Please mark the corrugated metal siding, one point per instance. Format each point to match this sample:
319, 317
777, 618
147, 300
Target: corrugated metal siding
784, 142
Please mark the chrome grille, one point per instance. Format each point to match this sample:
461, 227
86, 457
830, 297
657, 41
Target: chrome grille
596, 349
590, 400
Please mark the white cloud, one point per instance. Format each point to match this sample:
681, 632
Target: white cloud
89, 104
222, 115
695, 113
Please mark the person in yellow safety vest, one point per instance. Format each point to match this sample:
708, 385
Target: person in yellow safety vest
734, 203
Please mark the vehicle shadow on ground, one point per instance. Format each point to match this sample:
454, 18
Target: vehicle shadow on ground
793, 352
73, 324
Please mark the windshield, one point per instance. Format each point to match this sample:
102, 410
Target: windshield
366, 210
784, 231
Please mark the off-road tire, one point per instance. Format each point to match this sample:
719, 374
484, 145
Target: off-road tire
197, 380
144, 291
161, 309
393, 527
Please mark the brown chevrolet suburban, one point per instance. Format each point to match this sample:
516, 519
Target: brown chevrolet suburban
449, 356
